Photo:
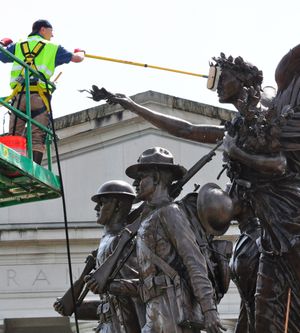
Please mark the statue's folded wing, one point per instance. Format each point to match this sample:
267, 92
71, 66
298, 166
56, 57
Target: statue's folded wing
287, 100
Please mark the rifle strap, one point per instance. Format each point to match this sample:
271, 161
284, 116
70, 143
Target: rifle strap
174, 278
125, 255
160, 263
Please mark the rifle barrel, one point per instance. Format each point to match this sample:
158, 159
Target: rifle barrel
194, 169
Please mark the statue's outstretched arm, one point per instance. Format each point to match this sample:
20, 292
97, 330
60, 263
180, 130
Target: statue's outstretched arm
173, 125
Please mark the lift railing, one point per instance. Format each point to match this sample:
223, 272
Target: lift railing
22, 180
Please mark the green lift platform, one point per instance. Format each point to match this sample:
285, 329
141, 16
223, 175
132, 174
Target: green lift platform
21, 179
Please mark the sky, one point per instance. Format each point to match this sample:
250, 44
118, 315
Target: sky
176, 34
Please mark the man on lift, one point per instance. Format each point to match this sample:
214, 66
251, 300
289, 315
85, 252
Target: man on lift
43, 56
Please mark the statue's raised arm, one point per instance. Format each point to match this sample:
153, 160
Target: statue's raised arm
173, 125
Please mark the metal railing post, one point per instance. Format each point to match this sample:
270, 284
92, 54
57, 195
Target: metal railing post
28, 113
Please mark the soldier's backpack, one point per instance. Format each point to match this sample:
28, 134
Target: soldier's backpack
216, 251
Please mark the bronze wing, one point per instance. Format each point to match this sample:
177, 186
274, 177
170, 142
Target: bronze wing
287, 100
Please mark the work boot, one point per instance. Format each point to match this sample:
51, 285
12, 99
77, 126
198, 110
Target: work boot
37, 156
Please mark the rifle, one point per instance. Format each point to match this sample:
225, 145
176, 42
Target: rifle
177, 187
67, 299
103, 273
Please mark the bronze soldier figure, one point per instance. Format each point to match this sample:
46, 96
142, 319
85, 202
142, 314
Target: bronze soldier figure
115, 314
174, 281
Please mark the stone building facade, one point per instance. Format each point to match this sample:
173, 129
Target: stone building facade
95, 145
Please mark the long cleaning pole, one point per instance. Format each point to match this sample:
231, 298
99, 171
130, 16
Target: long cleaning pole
143, 65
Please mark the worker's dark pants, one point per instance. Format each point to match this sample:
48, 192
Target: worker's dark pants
38, 112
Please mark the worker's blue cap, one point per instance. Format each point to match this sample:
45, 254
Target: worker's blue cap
37, 25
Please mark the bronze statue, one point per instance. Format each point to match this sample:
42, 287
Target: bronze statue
173, 278
262, 152
262, 159
115, 314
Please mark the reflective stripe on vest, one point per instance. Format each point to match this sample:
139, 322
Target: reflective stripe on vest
45, 61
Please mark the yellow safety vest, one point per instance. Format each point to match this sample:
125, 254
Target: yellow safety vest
44, 61
40, 55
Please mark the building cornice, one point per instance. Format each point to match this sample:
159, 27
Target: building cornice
45, 233
144, 98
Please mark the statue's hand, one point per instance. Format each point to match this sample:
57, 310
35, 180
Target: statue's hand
92, 284
59, 307
99, 94
253, 97
247, 100
125, 101
212, 322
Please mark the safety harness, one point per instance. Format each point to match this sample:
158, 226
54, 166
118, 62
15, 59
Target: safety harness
29, 57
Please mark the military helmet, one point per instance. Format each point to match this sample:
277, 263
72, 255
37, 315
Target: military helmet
215, 209
117, 187
156, 157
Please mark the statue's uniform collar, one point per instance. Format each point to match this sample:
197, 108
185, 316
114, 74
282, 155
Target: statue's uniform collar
160, 202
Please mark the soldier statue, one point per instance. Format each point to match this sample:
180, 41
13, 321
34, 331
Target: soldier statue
115, 314
173, 279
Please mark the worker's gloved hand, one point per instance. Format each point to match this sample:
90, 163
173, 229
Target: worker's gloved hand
78, 50
5, 41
